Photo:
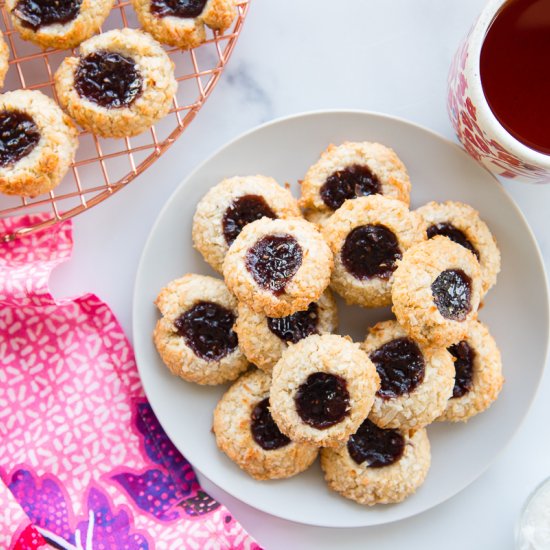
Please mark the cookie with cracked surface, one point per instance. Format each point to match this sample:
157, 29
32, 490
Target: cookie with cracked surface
195, 336
4, 59
461, 223
37, 143
436, 291
352, 170
181, 22
263, 339
367, 236
322, 388
378, 466
246, 432
120, 85
61, 24
278, 267
235, 202
415, 381
478, 379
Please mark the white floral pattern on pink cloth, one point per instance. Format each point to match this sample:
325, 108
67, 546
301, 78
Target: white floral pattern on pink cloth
83, 461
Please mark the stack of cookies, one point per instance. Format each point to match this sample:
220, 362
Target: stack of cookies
302, 390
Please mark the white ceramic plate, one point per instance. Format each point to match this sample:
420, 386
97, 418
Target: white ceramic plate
516, 311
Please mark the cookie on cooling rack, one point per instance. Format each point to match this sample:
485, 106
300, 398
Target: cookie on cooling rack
263, 339
120, 85
246, 432
378, 466
37, 143
322, 389
229, 206
182, 23
349, 171
58, 24
195, 335
278, 267
368, 236
4, 58
478, 379
415, 381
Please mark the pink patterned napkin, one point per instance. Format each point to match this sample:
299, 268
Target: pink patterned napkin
84, 463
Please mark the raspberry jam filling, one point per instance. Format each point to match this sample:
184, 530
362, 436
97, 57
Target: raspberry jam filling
109, 79
349, 183
322, 400
375, 446
273, 261
453, 233
264, 430
243, 211
207, 329
371, 251
400, 365
177, 8
297, 326
464, 367
19, 135
452, 291
34, 14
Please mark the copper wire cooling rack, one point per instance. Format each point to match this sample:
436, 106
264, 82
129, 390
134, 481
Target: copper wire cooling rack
104, 166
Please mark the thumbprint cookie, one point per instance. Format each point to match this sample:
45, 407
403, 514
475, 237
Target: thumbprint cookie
349, 171
378, 466
4, 58
229, 206
246, 432
37, 143
323, 388
278, 267
195, 336
120, 85
368, 236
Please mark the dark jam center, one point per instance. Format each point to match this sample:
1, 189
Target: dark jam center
41, 13
208, 330
273, 261
243, 211
452, 291
464, 368
400, 365
18, 136
297, 326
371, 251
322, 400
453, 233
177, 8
109, 79
349, 183
375, 446
264, 430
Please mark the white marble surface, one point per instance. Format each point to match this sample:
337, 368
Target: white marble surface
390, 56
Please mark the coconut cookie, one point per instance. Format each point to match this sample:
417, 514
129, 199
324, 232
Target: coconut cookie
278, 267
368, 236
59, 24
323, 388
195, 335
181, 22
37, 143
229, 206
478, 379
4, 58
120, 85
246, 432
461, 223
436, 291
378, 466
415, 381
264, 339
349, 171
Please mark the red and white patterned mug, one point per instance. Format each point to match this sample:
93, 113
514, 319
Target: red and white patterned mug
475, 124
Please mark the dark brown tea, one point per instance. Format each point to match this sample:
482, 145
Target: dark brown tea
514, 71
